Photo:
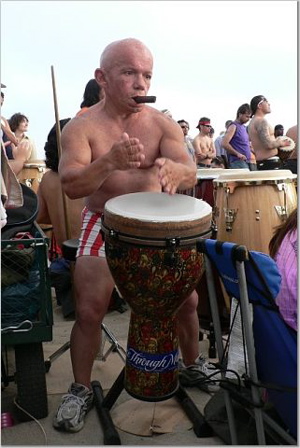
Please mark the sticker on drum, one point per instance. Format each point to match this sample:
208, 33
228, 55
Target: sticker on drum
248, 208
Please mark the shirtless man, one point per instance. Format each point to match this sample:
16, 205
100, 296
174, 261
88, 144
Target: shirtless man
261, 134
118, 146
203, 144
291, 162
51, 205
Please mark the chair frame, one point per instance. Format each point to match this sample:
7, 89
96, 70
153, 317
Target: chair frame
264, 423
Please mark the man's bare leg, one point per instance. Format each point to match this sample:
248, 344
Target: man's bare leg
188, 329
94, 286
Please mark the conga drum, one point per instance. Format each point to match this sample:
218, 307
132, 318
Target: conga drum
32, 173
205, 188
249, 207
151, 250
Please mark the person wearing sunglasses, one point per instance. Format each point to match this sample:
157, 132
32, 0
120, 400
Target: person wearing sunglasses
262, 137
203, 144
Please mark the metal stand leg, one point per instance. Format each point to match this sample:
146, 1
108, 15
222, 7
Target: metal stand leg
104, 405
114, 347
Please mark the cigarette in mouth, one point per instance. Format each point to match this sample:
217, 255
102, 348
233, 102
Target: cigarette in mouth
144, 99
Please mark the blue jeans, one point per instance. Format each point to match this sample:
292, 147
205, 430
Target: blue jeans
239, 164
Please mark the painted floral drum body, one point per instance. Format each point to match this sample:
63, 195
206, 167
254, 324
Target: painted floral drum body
151, 249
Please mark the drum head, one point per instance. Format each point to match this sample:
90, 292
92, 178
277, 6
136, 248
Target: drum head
257, 176
215, 173
158, 207
291, 145
157, 215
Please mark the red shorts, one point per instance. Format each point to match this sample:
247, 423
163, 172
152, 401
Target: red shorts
90, 241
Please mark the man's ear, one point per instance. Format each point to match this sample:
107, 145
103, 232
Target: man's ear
100, 76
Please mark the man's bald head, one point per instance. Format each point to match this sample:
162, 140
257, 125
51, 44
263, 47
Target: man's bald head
115, 51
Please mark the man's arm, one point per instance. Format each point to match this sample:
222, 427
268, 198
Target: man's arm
80, 175
263, 132
226, 142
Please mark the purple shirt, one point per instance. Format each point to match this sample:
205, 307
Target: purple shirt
286, 259
240, 142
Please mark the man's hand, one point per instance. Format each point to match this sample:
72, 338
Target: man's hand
170, 175
283, 142
127, 153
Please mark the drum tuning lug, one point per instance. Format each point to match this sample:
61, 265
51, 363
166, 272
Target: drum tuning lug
230, 215
113, 234
172, 242
281, 211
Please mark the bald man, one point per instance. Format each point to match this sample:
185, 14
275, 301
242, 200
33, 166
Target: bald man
118, 146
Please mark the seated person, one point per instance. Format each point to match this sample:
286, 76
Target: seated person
51, 207
52, 211
283, 248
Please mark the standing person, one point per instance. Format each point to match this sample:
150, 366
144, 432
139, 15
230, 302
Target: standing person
203, 144
291, 162
118, 146
19, 125
236, 139
187, 139
278, 130
190, 150
92, 95
220, 150
261, 134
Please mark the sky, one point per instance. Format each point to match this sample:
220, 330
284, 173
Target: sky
209, 56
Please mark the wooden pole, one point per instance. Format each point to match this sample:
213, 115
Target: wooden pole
58, 139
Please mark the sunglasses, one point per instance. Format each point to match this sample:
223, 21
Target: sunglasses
261, 101
206, 125
184, 127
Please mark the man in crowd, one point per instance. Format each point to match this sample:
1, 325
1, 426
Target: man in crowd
261, 134
203, 144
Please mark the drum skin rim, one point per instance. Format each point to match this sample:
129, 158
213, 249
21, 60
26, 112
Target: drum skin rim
173, 241
241, 182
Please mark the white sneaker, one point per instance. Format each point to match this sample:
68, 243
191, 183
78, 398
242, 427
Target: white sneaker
201, 374
73, 408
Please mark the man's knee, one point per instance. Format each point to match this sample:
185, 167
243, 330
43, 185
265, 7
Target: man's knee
189, 306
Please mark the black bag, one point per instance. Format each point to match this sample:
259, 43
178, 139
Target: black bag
20, 219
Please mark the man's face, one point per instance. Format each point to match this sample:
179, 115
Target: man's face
23, 126
264, 106
185, 128
205, 129
130, 76
244, 118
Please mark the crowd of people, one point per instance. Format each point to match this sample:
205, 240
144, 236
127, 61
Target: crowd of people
114, 146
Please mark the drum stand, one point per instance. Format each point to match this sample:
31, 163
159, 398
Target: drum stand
104, 405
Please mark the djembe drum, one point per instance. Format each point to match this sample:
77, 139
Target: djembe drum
151, 250
32, 173
249, 207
